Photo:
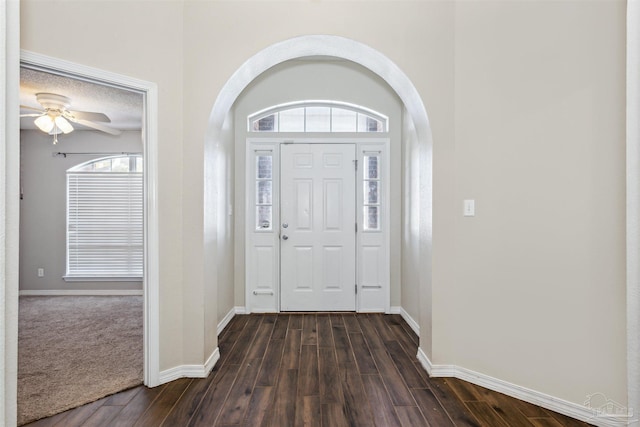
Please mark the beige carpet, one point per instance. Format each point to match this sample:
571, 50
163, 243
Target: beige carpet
75, 350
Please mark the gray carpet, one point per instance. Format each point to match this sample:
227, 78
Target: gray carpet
75, 350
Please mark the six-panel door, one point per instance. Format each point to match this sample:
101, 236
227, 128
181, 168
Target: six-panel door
317, 229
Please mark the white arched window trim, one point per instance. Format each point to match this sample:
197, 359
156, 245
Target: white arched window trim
360, 114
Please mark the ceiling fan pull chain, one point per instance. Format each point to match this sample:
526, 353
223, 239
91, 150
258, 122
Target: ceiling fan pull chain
55, 133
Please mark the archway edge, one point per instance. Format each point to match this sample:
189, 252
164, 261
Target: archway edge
322, 45
337, 47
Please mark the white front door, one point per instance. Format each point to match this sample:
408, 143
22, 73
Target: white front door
317, 227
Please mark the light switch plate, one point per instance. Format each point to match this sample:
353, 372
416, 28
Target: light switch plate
469, 207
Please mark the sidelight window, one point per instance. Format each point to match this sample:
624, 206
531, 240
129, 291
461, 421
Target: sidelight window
264, 190
372, 190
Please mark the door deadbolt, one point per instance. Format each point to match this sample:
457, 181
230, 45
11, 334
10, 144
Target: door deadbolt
285, 225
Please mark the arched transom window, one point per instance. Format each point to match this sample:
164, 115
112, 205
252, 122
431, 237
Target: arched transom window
317, 116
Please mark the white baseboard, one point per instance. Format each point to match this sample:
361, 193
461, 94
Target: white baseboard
227, 318
79, 292
190, 371
425, 362
570, 409
211, 361
415, 326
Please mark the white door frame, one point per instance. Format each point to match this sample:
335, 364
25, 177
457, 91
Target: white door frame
9, 207
262, 292
633, 210
151, 288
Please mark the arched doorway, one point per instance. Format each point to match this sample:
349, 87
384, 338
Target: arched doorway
339, 244
217, 148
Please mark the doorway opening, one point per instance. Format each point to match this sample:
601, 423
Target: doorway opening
225, 155
133, 260
322, 189
318, 214
318, 224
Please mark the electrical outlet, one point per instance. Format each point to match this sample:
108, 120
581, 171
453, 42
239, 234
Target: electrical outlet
41, 272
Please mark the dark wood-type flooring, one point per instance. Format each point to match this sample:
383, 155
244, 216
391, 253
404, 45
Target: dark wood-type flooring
318, 370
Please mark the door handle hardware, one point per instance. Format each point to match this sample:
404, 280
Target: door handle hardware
285, 225
285, 237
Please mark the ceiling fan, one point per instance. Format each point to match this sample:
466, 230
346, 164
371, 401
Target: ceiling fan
55, 116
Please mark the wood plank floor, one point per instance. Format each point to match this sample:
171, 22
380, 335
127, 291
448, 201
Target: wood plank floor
317, 370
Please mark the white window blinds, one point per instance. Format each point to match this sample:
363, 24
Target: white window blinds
104, 225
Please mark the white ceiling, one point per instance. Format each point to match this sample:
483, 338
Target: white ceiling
123, 107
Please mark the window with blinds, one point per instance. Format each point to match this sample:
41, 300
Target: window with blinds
105, 219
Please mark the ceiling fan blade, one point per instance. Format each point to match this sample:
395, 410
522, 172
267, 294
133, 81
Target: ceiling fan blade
31, 115
88, 115
96, 126
25, 107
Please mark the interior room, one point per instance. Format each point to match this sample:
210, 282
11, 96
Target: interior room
494, 199
80, 332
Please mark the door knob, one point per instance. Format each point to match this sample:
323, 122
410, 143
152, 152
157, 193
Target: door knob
285, 225
285, 237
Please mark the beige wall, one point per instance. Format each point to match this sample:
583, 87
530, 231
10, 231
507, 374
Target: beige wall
227, 250
538, 279
142, 40
410, 227
526, 105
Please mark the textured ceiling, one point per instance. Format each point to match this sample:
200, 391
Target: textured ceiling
123, 107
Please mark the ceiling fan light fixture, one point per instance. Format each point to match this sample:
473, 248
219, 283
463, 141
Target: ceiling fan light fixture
56, 118
63, 124
44, 123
